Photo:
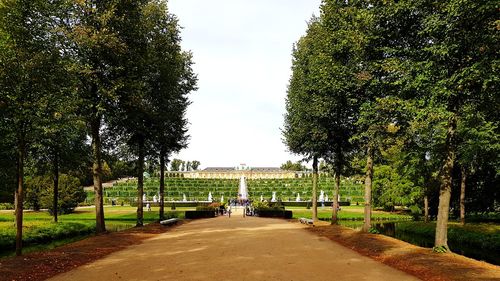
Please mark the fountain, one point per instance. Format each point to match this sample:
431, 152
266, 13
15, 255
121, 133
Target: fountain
184, 197
210, 196
243, 191
222, 199
298, 197
274, 197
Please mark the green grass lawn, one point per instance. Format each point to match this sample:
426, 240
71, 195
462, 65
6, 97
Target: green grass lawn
346, 213
39, 229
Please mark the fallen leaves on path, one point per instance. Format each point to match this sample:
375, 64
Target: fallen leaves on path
43, 265
417, 261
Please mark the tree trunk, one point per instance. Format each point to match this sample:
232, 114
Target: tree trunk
314, 190
426, 209
97, 174
162, 184
55, 167
140, 183
368, 190
335, 203
20, 197
462, 194
441, 239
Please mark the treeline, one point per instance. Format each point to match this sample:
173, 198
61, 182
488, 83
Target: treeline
83, 83
181, 165
407, 93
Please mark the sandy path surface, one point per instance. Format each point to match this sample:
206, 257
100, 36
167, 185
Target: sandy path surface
236, 248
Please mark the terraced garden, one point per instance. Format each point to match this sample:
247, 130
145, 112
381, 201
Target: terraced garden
178, 188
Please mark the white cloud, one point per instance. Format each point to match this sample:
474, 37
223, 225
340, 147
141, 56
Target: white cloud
242, 53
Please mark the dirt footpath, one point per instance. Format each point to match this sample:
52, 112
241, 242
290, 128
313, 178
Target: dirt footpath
236, 248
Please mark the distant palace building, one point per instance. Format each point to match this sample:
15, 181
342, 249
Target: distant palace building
243, 170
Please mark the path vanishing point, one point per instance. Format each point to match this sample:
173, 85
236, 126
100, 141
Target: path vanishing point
236, 248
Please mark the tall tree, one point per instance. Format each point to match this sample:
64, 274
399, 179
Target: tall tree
456, 67
304, 129
168, 79
478, 144
175, 165
195, 164
94, 30
339, 75
30, 76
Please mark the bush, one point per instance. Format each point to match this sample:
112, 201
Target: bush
415, 212
199, 214
6, 206
273, 213
206, 208
40, 193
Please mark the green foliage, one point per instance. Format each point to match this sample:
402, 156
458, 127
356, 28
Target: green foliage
175, 165
440, 249
290, 166
195, 164
44, 234
40, 230
391, 189
206, 208
39, 193
6, 206
346, 214
373, 230
416, 212
480, 236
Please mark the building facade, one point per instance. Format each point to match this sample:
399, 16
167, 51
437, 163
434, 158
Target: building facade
243, 171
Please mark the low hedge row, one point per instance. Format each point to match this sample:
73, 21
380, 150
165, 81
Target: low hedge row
199, 214
274, 213
308, 203
173, 204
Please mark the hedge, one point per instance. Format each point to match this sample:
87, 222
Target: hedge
199, 214
274, 213
309, 204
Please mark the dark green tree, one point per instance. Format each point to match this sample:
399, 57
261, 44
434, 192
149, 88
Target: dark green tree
457, 68
93, 30
30, 75
290, 166
304, 129
175, 165
195, 164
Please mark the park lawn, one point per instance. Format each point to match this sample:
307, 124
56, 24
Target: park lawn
346, 213
38, 227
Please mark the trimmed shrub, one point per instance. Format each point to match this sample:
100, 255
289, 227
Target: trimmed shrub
205, 208
273, 213
199, 214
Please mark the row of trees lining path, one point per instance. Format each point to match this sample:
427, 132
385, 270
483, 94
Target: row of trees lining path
109, 71
407, 89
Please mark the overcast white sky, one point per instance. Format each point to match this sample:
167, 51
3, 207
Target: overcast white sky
242, 54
